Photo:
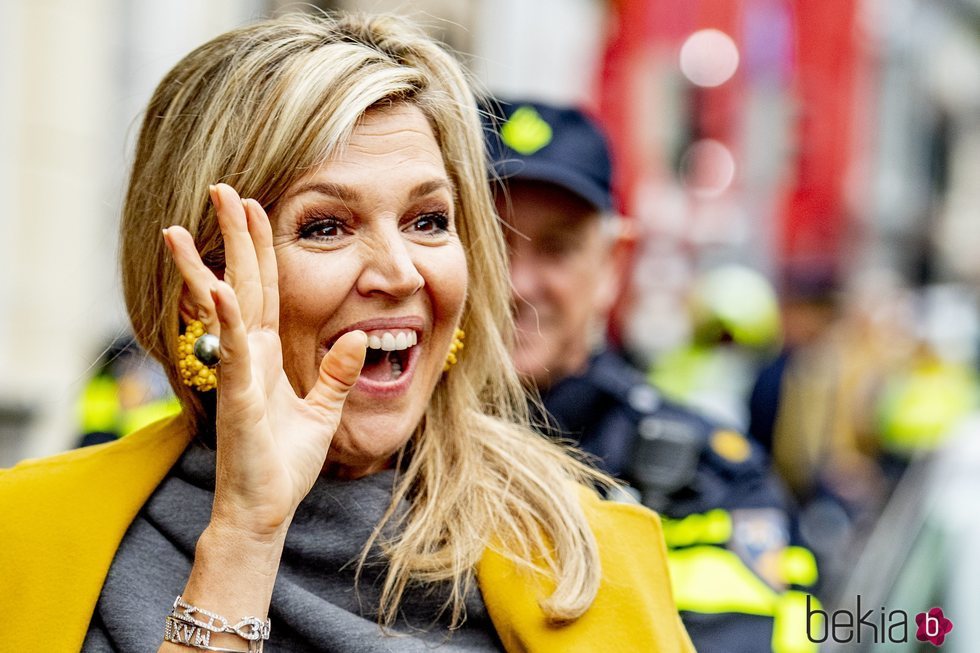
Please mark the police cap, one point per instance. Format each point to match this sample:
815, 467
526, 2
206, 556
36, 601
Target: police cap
558, 145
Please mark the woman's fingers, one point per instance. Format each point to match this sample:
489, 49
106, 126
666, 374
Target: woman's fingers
236, 369
261, 230
339, 370
241, 263
198, 278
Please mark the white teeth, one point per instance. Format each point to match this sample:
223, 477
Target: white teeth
396, 366
388, 341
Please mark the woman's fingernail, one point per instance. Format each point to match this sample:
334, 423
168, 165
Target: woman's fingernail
215, 196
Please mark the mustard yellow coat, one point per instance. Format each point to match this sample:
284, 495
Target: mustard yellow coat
62, 518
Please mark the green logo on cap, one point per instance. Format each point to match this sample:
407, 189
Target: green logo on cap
525, 131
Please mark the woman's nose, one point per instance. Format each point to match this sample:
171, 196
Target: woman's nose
389, 269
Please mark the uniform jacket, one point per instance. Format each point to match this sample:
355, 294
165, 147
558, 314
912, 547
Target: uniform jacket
677, 461
612, 412
62, 518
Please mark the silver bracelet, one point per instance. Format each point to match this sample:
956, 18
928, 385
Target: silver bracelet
183, 624
187, 634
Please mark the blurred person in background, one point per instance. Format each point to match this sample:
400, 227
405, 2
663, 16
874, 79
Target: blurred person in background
808, 307
859, 390
725, 516
735, 325
794, 405
129, 390
340, 462
921, 402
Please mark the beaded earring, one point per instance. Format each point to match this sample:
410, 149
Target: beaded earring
197, 353
454, 349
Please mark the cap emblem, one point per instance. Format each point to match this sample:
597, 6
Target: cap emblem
526, 131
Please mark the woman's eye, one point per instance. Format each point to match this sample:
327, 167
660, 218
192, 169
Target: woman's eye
322, 229
432, 223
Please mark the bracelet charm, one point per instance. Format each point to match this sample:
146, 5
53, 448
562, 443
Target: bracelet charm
183, 626
180, 632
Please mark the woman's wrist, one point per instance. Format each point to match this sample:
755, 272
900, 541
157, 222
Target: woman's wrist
257, 520
223, 543
234, 572
233, 575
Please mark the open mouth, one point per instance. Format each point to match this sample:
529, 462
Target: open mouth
390, 355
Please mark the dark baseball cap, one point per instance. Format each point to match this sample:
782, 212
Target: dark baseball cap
558, 145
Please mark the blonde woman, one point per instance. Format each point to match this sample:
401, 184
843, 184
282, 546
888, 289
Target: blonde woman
363, 478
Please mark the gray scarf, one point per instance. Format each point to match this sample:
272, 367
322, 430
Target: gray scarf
315, 606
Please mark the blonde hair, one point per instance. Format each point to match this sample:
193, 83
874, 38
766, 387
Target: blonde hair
259, 107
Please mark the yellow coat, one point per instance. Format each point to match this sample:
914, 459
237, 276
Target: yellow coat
62, 518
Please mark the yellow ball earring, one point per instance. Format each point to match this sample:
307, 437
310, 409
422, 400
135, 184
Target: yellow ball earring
454, 349
197, 354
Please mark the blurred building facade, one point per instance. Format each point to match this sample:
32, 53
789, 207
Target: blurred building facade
74, 77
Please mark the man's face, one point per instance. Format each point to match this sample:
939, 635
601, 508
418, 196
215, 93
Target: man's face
560, 272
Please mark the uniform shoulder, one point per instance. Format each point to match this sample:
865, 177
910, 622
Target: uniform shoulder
633, 392
683, 461
722, 446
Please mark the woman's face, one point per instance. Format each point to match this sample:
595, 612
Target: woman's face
368, 241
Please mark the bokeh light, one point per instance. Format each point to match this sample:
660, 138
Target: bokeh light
707, 168
709, 58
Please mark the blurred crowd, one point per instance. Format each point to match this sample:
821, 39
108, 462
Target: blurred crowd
844, 390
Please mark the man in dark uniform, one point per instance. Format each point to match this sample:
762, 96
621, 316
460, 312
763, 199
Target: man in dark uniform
724, 514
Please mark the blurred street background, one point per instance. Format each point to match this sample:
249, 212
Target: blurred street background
802, 179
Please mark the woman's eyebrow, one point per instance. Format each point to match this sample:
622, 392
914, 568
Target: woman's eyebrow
340, 191
350, 194
429, 187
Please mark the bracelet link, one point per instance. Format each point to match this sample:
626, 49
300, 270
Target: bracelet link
251, 628
187, 634
183, 627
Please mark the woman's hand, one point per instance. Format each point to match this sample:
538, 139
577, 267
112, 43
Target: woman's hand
271, 444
